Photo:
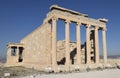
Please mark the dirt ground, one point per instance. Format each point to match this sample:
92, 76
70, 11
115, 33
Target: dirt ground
20, 71
107, 73
17, 71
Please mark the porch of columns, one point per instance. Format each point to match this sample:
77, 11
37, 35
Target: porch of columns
16, 53
104, 46
67, 38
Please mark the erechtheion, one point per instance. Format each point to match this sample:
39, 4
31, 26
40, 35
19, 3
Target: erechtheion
41, 50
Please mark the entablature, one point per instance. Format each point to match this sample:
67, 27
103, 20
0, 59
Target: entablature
15, 45
78, 17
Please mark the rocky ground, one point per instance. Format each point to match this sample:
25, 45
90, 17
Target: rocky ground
22, 72
17, 71
108, 73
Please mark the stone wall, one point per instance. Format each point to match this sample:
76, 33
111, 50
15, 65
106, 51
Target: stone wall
61, 52
37, 46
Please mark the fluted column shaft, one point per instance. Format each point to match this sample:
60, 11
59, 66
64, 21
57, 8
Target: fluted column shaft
67, 39
78, 43
96, 46
88, 44
54, 40
104, 46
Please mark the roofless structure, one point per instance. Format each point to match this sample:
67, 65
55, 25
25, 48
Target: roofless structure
41, 50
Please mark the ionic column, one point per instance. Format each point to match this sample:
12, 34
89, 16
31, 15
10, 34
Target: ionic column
104, 46
54, 40
78, 43
88, 44
67, 39
96, 46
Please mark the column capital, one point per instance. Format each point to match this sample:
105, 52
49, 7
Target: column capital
67, 21
78, 23
96, 27
88, 25
104, 29
54, 18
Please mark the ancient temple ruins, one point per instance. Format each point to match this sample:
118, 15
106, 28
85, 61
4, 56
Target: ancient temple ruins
41, 50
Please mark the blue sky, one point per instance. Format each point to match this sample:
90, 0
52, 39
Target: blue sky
20, 17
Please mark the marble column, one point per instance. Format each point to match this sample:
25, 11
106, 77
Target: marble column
17, 54
96, 45
88, 44
104, 45
54, 43
67, 39
78, 43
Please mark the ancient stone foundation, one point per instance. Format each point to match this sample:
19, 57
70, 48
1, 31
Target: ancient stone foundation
41, 50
